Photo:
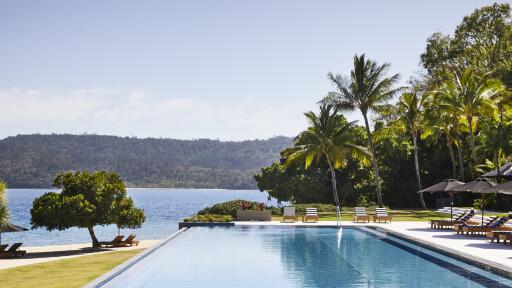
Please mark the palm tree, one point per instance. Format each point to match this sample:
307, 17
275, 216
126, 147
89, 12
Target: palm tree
366, 90
4, 210
444, 122
469, 95
410, 112
327, 138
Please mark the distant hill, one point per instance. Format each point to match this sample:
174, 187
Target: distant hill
33, 160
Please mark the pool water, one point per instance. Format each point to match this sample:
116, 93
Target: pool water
260, 256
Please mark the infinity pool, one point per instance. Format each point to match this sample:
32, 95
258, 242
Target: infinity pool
298, 257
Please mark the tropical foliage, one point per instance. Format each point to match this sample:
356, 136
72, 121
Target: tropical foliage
453, 120
87, 199
209, 218
4, 209
328, 139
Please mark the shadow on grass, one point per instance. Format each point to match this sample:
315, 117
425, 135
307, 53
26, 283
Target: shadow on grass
50, 254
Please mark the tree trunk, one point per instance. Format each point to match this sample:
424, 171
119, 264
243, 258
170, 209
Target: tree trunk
461, 162
333, 182
417, 167
334, 189
497, 165
452, 157
95, 242
472, 143
374, 161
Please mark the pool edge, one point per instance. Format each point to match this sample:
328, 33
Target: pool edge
107, 277
479, 262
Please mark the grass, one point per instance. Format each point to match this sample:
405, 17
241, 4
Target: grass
398, 215
74, 272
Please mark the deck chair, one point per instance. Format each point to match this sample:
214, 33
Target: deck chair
459, 218
13, 251
311, 215
382, 214
289, 214
3, 247
129, 241
494, 225
475, 220
360, 214
117, 240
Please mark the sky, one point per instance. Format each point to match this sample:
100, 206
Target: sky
223, 69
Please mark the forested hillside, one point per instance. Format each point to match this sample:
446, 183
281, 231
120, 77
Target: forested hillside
33, 160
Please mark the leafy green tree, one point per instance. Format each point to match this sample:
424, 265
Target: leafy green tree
495, 142
4, 209
367, 90
87, 199
482, 41
469, 95
327, 138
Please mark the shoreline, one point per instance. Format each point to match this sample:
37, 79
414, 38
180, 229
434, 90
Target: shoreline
41, 254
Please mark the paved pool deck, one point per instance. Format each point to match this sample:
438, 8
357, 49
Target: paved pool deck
476, 248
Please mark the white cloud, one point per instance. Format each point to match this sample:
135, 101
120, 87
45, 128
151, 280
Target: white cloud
136, 113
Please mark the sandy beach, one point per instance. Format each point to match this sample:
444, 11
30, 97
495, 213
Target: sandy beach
39, 254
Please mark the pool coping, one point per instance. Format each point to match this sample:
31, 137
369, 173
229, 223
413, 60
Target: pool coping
479, 262
107, 277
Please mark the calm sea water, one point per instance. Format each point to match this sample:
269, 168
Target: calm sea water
163, 208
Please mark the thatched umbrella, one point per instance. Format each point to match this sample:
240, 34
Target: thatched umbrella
444, 186
505, 171
10, 228
477, 186
505, 188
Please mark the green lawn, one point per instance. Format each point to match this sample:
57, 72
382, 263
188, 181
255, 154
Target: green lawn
74, 272
398, 215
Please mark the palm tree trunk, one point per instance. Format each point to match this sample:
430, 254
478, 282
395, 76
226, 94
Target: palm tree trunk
95, 242
334, 189
417, 167
333, 182
461, 162
374, 160
472, 142
452, 157
497, 165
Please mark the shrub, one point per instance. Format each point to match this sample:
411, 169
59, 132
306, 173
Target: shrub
230, 207
209, 218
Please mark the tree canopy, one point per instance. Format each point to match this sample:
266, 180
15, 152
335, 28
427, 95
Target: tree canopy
87, 199
453, 120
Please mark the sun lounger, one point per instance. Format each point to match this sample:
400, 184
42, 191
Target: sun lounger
117, 240
311, 215
360, 214
487, 227
289, 214
381, 214
3, 247
461, 217
475, 220
129, 241
13, 251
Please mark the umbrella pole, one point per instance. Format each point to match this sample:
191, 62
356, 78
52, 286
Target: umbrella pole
482, 208
451, 206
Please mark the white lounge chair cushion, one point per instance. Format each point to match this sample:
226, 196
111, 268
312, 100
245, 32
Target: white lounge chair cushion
289, 211
360, 211
311, 211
